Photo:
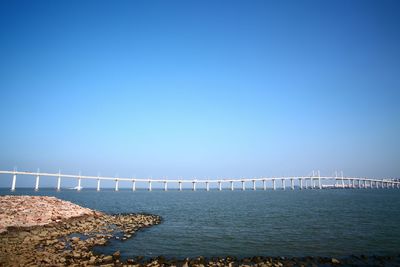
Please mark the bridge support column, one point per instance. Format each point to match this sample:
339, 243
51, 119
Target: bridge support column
264, 185
98, 185
283, 184
14, 181
133, 185
59, 183
180, 185
219, 186
116, 184
365, 184
342, 183
254, 185
79, 184
150, 186
207, 186
273, 184
319, 183
231, 185
165, 186
37, 183
291, 183
243, 186
311, 183
194, 186
352, 183
301, 184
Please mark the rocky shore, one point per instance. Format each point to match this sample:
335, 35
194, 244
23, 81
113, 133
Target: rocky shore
45, 231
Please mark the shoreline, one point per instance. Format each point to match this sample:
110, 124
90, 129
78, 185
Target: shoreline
67, 233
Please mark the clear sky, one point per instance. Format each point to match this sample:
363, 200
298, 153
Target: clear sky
200, 88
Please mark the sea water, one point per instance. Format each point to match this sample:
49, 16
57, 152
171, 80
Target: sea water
335, 222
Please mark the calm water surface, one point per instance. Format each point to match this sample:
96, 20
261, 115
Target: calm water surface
274, 223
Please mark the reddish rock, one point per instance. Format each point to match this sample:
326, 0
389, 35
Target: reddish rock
28, 211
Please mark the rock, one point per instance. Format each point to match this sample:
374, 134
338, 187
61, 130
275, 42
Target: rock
100, 242
116, 255
335, 261
130, 261
107, 259
75, 240
76, 255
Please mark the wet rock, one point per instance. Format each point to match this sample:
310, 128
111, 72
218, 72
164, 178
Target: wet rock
335, 261
116, 255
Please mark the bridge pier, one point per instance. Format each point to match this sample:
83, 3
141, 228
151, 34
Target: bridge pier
301, 183
14, 181
116, 184
243, 186
165, 186
254, 185
283, 184
79, 184
150, 186
37, 183
273, 184
59, 183
207, 186
133, 185
365, 184
98, 184
231, 185
264, 185
219, 186
312, 183
353, 183
194, 186
292, 183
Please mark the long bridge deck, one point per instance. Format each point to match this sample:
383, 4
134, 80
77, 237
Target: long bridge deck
302, 182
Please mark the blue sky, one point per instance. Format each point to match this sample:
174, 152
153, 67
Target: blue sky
200, 88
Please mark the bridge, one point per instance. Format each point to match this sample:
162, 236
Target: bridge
314, 181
